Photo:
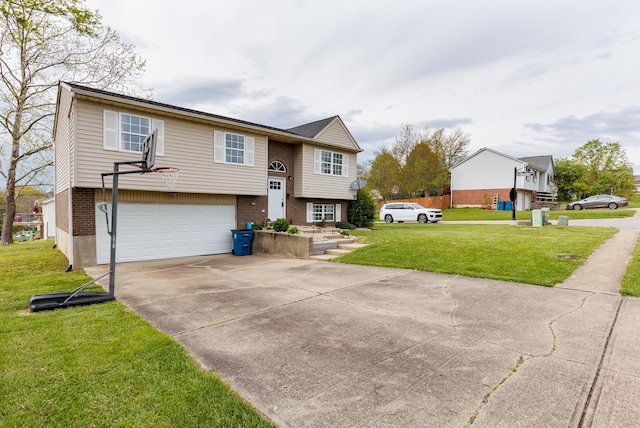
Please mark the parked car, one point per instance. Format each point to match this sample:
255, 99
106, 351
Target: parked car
409, 211
599, 201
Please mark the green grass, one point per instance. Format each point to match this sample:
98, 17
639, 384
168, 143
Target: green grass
631, 281
543, 255
461, 214
99, 365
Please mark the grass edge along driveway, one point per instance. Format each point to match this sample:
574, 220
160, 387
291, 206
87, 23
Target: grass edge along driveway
541, 255
99, 365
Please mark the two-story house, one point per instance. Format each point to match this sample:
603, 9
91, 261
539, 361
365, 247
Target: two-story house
487, 175
231, 172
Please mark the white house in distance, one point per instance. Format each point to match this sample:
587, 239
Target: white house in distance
487, 176
231, 172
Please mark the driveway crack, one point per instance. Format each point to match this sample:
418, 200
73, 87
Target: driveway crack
522, 359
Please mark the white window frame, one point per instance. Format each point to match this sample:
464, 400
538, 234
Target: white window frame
112, 132
327, 162
134, 133
220, 148
277, 166
327, 212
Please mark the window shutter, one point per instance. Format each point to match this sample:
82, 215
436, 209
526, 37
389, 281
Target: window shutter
159, 125
345, 165
317, 161
248, 151
110, 130
309, 212
338, 213
218, 146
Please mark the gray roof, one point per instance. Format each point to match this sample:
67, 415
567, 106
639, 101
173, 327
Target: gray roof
541, 162
310, 130
187, 110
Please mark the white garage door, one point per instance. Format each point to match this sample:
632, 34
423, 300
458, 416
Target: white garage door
160, 231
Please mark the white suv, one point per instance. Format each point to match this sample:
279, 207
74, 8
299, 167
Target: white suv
409, 211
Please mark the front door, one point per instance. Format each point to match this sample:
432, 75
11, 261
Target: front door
276, 198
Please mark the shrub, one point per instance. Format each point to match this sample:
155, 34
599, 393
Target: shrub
293, 230
345, 225
280, 225
362, 211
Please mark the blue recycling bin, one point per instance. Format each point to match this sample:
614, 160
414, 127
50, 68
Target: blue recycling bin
500, 205
508, 205
242, 242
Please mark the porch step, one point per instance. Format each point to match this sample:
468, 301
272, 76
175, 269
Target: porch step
339, 248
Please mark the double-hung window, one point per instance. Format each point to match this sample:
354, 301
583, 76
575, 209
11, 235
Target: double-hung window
133, 131
330, 163
231, 148
126, 132
234, 148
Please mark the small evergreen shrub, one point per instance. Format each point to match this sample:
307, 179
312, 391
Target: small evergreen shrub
280, 225
345, 225
293, 230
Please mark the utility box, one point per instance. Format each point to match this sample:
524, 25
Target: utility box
545, 215
242, 242
536, 218
563, 220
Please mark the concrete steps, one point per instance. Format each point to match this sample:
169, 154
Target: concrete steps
343, 246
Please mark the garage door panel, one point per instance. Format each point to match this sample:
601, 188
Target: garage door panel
153, 231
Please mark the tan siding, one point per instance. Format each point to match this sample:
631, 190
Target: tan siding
337, 135
323, 185
187, 145
136, 196
62, 142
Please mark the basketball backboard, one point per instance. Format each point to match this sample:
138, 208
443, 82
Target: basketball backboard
149, 150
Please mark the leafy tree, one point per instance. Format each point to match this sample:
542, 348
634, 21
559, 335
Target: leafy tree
420, 171
384, 174
570, 178
362, 211
43, 42
608, 170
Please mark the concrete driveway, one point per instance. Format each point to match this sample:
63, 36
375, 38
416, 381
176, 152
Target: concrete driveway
317, 344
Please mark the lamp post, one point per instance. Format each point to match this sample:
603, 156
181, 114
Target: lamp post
513, 195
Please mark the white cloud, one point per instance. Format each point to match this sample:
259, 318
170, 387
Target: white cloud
511, 74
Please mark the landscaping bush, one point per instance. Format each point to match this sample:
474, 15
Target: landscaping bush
362, 211
345, 225
293, 230
280, 225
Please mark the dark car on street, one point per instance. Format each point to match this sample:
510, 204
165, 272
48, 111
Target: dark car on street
599, 201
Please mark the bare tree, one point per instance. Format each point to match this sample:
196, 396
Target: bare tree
44, 42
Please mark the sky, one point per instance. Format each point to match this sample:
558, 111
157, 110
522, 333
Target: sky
522, 77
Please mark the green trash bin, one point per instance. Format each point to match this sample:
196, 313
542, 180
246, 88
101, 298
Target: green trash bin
545, 215
536, 218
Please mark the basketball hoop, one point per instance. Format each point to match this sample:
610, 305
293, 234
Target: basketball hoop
169, 174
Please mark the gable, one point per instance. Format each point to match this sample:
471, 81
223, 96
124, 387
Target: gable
337, 134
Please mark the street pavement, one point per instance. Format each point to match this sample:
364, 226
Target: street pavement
318, 344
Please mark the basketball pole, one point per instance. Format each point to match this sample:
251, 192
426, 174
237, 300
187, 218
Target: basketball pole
114, 217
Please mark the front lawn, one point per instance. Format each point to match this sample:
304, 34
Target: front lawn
99, 365
543, 255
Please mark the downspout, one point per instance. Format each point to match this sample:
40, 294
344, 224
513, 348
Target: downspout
70, 207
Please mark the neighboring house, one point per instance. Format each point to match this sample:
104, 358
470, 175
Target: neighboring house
479, 178
231, 172
636, 182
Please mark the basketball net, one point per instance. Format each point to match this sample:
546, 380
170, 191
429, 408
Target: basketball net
169, 174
